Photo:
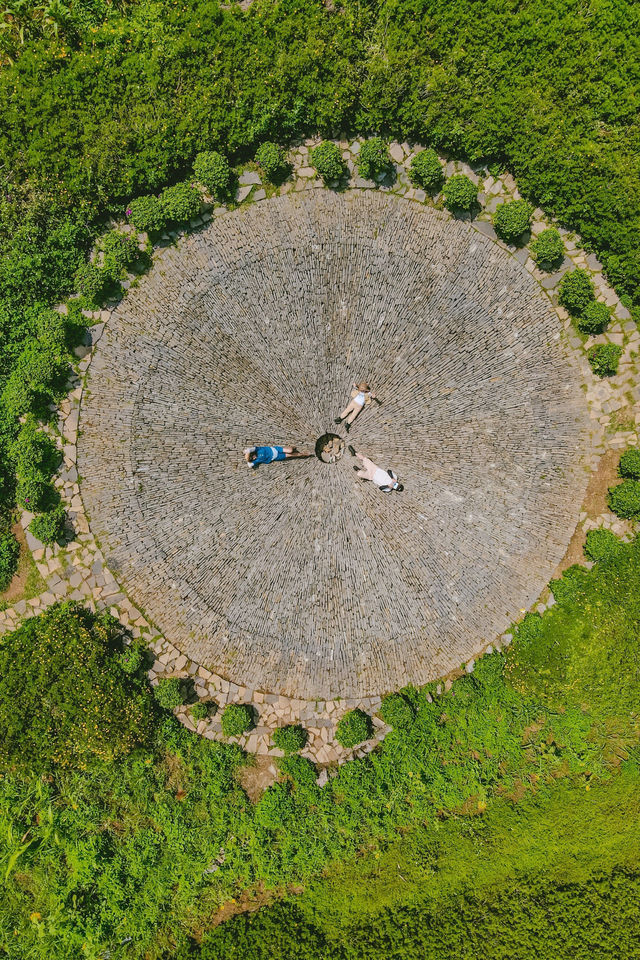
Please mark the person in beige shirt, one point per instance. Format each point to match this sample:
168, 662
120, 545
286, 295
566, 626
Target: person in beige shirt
385, 480
361, 397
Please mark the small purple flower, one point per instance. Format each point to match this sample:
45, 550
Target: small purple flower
129, 211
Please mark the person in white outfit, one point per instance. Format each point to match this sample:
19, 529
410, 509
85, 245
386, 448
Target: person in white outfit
361, 397
385, 480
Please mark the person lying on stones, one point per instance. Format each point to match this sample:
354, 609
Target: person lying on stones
361, 397
385, 480
254, 456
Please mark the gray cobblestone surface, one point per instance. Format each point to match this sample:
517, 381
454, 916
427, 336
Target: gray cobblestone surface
296, 578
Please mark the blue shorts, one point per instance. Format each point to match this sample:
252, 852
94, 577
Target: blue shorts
280, 454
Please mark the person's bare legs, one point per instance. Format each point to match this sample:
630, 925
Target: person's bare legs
291, 453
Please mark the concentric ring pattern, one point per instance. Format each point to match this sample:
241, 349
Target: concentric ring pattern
297, 578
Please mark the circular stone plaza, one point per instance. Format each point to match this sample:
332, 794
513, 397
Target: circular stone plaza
298, 578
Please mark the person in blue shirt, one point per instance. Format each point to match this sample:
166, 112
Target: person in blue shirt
255, 456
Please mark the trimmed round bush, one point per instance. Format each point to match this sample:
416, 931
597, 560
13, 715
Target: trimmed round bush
604, 359
594, 318
460, 193
601, 544
199, 711
353, 728
624, 500
49, 527
214, 172
397, 711
236, 720
290, 739
548, 249
168, 692
576, 291
180, 202
629, 465
374, 160
132, 658
90, 281
327, 161
512, 219
426, 171
146, 213
272, 160
9, 554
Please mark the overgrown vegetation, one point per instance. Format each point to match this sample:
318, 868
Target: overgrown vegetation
121, 831
502, 763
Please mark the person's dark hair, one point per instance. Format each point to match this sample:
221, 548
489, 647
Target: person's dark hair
399, 488
252, 456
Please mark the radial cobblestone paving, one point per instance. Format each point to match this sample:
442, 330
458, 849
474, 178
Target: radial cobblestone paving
296, 578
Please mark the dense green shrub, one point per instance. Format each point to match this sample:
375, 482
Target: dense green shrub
576, 291
629, 465
33, 452
460, 193
132, 657
272, 160
180, 202
512, 219
276, 808
146, 214
327, 160
548, 249
33, 493
169, 693
624, 499
90, 282
9, 554
214, 172
49, 527
119, 251
353, 728
594, 318
601, 544
290, 738
63, 698
373, 160
237, 718
199, 711
570, 586
426, 171
37, 378
397, 711
300, 770
604, 358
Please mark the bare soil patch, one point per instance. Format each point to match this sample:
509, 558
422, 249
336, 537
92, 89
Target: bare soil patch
26, 582
595, 503
255, 779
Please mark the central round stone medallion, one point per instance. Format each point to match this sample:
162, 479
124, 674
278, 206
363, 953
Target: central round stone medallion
329, 447
287, 577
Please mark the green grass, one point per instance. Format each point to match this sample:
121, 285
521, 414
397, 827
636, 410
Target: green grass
529, 763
